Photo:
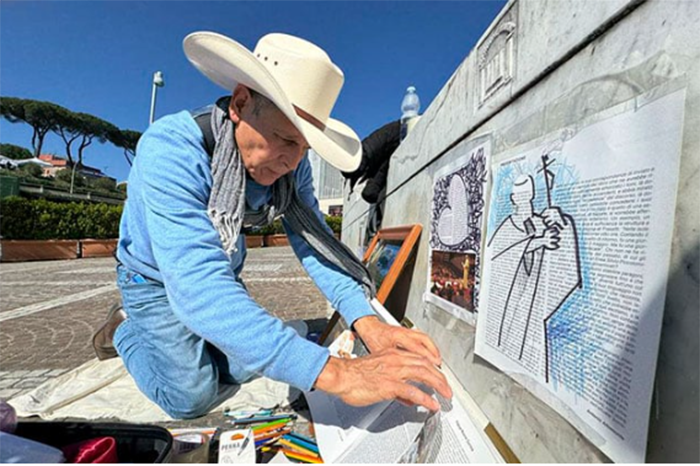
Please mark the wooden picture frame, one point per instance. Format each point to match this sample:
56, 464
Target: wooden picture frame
386, 257
406, 238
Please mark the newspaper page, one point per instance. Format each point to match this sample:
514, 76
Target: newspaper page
576, 263
455, 234
399, 434
391, 432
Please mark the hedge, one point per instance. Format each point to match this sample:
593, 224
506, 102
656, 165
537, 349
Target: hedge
22, 218
336, 223
40, 219
276, 228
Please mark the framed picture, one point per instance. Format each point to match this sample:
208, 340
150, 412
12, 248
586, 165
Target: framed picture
386, 257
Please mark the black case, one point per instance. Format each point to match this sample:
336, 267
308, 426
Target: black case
135, 443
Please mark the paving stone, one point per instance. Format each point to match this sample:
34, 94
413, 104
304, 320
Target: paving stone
44, 345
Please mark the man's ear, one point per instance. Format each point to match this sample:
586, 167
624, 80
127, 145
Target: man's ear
240, 99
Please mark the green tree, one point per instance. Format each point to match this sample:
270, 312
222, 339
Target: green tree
81, 128
41, 116
69, 128
108, 184
15, 152
31, 170
335, 223
126, 139
63, 177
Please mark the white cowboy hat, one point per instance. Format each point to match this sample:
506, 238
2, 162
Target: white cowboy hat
296, 75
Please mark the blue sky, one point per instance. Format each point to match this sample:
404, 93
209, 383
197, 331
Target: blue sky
99, 57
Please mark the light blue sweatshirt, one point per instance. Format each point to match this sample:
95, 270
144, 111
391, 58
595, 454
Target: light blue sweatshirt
166, 235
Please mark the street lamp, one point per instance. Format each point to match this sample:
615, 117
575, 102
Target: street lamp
158, 81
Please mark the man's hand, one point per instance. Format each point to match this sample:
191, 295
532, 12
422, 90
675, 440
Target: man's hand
552, 217
548, 240
383, 376
379, 336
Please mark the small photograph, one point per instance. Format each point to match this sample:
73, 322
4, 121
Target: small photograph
381, 260
453, 275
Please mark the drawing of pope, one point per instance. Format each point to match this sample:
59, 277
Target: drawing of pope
536, 264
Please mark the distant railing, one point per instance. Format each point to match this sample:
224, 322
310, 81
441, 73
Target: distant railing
77, 195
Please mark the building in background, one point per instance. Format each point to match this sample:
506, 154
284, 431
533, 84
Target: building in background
58, 164
328, 185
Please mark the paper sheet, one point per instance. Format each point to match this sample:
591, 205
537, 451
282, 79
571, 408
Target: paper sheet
391, 432
104, 389
576, 264
456, 224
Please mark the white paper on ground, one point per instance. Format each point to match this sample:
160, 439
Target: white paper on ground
103, 389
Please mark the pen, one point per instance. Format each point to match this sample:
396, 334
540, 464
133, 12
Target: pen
245, 444
244, 414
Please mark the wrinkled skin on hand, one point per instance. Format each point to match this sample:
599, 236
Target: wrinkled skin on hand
398, 356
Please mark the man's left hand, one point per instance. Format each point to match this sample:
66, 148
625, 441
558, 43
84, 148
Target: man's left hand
379, 336
552, 217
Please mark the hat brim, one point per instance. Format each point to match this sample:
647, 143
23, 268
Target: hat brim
228, 63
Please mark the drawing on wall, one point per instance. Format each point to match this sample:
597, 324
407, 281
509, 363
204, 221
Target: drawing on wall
455, 234
575, 267
523, 243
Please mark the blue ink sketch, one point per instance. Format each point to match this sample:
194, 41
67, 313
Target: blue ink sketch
567, 328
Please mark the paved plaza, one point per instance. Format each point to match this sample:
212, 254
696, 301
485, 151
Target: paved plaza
49, 310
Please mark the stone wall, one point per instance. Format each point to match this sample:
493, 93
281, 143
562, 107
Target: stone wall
543, 65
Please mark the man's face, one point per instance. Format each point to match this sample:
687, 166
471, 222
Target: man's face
269, 144
523, 193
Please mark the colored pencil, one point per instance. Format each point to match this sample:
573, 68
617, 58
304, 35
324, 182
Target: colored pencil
265, 442
302, 437
269, 429
268, 440
301, 443
267, 435
301, 457
271, 424
293, 446
251, 420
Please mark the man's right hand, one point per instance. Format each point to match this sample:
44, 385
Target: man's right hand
383, 376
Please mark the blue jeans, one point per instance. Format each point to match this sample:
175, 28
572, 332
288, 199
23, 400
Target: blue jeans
173, 367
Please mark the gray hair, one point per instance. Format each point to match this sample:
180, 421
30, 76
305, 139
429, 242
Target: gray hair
260, 102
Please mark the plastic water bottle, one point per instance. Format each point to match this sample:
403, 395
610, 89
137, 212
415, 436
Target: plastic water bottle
410, 106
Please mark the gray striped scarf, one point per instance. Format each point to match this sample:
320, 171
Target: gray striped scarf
227, 204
